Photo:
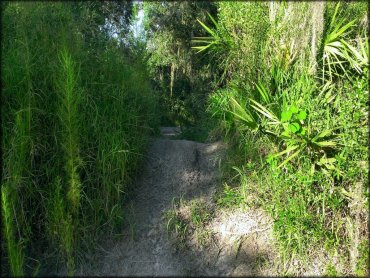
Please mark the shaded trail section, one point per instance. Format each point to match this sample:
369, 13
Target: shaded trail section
173, 169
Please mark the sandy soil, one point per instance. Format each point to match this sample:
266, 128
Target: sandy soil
240, 239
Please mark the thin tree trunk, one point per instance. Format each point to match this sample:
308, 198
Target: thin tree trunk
272, 10
172, 78
318, 9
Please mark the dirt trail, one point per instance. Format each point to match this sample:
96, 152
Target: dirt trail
175, 168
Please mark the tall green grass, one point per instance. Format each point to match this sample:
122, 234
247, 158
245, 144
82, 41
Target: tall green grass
14, 247
75, 120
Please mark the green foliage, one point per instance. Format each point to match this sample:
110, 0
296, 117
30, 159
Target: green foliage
69, 97
14, 248
181, 77
187, 218
229, 197
59, 224
337, 47
201, 132
296, 126
177, 225
363, 264
330, 271
200, 213
247, 24
219, 44
77, 108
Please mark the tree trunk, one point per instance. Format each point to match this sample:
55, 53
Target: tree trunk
318, 9
172, 78
272, 10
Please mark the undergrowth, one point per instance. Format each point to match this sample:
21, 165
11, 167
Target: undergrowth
295, 116
76, 115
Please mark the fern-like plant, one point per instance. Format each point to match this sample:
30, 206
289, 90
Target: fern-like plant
218, 43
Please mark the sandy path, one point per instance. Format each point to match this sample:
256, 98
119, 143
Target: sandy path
173, 168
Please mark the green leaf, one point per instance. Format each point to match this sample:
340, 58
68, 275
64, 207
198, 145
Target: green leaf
213, 20
288, 149
271, 132
263, 92
327, 160
264, 111
209, 30
326, 144
286, 116
294, 127
302, 115
290, 157
322, 134
269, 159
294, 109
242, 114
335, 14
285, 134
201, 48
